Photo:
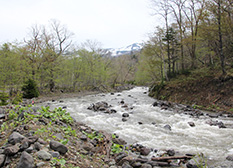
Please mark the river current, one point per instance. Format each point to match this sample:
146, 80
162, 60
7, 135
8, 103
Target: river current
214, 142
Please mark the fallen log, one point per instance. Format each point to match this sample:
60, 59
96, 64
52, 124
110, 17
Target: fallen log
170, 158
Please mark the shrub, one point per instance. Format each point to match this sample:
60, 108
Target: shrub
30, 89
3, 98
17, 98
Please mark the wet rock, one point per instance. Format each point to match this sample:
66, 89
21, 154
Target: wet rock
230, 157
110, 111
168, 127
2, 159
125, 115
124, 119
125, 106
11, 150
213, 115
99, 106
145, 151
145, 165
140, 123
155, 104
171, 152
191, 124
57, 146
220, 124
15, 137
26, 161
43, 155
102, 109
113, 111
153, 123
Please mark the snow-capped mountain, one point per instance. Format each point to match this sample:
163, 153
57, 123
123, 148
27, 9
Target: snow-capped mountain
135, 47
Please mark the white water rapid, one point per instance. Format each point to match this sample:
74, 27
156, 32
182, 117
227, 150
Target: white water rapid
214, 142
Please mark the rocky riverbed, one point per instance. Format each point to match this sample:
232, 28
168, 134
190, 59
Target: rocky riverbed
48, 140
30, 138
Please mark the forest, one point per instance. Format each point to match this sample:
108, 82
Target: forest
196, 34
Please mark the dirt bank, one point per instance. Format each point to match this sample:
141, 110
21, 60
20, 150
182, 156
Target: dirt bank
209, 91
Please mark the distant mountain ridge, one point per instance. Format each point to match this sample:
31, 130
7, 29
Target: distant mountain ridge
135, 47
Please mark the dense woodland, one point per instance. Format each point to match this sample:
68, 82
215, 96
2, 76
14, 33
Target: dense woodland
196, 34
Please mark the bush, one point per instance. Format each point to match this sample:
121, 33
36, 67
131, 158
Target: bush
30, 89
17, 98
3, 98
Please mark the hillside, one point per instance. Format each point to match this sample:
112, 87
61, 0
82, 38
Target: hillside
203, 88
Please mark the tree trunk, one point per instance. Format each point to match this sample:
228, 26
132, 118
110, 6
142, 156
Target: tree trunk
221, 55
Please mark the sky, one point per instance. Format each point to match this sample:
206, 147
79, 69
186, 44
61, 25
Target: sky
113, 23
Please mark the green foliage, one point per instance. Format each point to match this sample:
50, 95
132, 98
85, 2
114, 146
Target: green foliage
94, 135
69, 131
56, 114
55, 162
200, 161
155, 89
116, 148
3, 98
64, 141
18, 98
30, 89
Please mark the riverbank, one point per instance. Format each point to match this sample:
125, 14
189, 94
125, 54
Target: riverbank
40, 137
36, 131
204, 89
58, 95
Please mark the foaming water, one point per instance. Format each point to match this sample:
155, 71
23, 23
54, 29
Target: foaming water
213, 142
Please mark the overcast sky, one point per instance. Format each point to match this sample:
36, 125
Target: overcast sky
114, 23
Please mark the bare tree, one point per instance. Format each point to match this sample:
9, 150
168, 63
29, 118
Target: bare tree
45, 47
177, 7
194, 15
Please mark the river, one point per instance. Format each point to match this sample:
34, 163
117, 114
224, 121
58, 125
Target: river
213, 142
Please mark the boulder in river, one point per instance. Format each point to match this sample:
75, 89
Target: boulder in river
230, 157
100, 106
191, 124
168, 127
125, 115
